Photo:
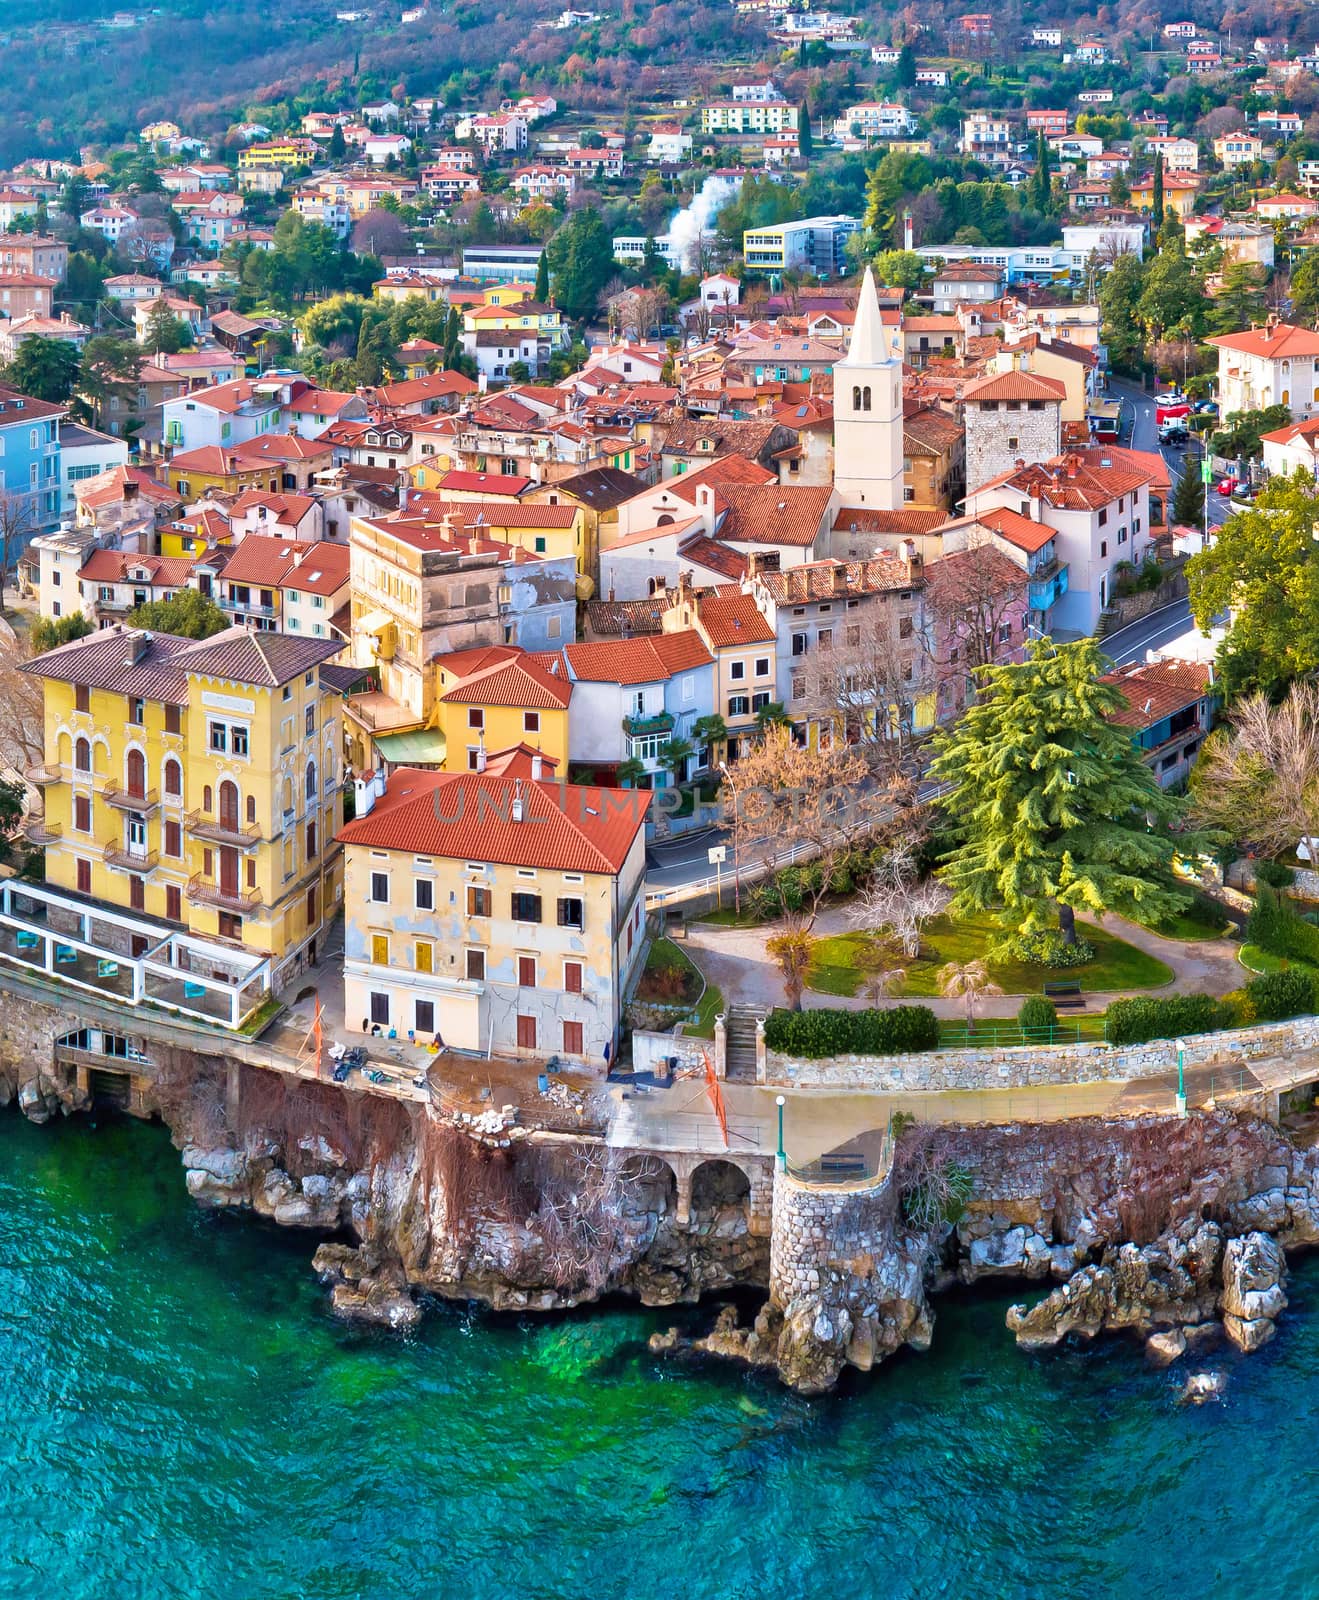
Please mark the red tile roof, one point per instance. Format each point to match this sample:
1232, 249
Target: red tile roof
469, 816
113, 566
649, 659
1283, 341
1156, 689
503, 676
496, 483
1014, 386
729, 617
1018, 530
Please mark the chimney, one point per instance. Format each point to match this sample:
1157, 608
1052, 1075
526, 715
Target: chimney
136, 645
1021, 463
537, 768
517, 801
130, 490
838, 578
480, 755
908, 232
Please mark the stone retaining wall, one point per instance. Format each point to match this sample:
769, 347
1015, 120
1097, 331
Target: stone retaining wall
1035, 1066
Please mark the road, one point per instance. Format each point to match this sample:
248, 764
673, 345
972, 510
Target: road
1143, 434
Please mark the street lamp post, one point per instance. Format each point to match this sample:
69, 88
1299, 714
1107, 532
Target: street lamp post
781, 1155
1181, 1077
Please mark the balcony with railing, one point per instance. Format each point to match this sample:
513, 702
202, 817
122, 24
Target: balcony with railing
37, 831
656, 722
126, 859
1047, 586
248, 608
203, 892
123, 799
219, 830
46, 773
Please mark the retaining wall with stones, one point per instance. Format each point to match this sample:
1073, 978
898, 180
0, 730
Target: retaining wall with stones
1036, 1066
818, 1228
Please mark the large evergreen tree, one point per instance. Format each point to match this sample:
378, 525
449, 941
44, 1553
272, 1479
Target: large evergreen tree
188, 614
1058, 813
1156, 196
542, 290
1188, 503
46, 369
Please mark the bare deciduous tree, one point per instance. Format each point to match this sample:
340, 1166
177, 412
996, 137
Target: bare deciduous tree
864, 687
898, 899
1258, 779
809, 800
22, 726
17, 521
975, 600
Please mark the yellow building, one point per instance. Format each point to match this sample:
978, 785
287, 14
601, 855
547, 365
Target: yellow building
279, 153
192, 473
496, 911
553, 531
197, 782
492, 700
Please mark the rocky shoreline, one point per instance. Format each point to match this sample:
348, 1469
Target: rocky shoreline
1172, 1231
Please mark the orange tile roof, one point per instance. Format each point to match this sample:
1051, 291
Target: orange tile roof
649, 659
1018, 530
469, 816
505, 677
1015, 385
729, 617
774, 513
262, 560
859, 519
1156, 689
503, 484
1283, 340
113, 566
281, 447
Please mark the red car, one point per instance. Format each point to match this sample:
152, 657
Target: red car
1226, 485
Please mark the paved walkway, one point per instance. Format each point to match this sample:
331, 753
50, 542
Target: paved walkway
735, 960
816, 1121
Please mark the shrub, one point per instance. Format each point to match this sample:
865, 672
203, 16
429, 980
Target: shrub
1037, 1012
1048, 950
1276, 926
1275, 874
816, 1034
1276, 995
1135, 1021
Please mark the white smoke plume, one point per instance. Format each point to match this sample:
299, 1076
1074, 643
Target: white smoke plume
694, 224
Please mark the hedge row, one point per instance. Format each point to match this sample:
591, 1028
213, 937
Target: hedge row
1276, 926
1135, 1021
816, 1034
1274, 996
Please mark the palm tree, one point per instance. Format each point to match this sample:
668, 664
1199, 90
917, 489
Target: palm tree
771, 715
629, 773
710, 732
970, 980
791, 952
674, 757
883, 983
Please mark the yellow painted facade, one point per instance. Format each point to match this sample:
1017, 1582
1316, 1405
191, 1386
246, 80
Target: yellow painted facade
148, 814
472, 724
191, 485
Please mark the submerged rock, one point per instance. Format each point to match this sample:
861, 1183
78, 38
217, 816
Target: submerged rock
1203, 1386
1162, 1349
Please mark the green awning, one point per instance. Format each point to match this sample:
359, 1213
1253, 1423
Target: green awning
415, 747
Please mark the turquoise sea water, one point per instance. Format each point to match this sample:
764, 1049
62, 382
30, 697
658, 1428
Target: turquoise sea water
180, 1417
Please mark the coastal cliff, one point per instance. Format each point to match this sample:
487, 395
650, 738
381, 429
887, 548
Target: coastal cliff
1172, 1229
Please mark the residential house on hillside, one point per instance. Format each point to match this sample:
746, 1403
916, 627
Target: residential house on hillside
1169, 709
1270, 366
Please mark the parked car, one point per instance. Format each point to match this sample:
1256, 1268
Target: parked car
1207, 408
1226, 485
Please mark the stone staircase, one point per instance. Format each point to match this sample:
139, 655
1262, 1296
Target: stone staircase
740, 1056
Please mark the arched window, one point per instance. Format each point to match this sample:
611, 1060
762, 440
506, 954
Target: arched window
229, 805
309, 781
1286, 396
137, 772
208, 798
82, 755
173, 778
865, 398
251, 808
288, 794
856, 397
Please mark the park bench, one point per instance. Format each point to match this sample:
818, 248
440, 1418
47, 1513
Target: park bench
1064, 995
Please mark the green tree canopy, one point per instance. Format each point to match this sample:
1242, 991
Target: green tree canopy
1264, 566
1188, 502
1305, 288
189, 614
1120, 291
899, 269
165, 334
1171, 294
1239, 302
581, 262
46, 369
1058, 812
110, 367
48, 632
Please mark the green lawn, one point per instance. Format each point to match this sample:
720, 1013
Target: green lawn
1117, 965
1202, 919
1253, 959
839, 964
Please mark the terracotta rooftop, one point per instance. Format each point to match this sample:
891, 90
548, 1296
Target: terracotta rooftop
471, 816
1283, 341
503, 676
1156, 689
650, 659
1016, 385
